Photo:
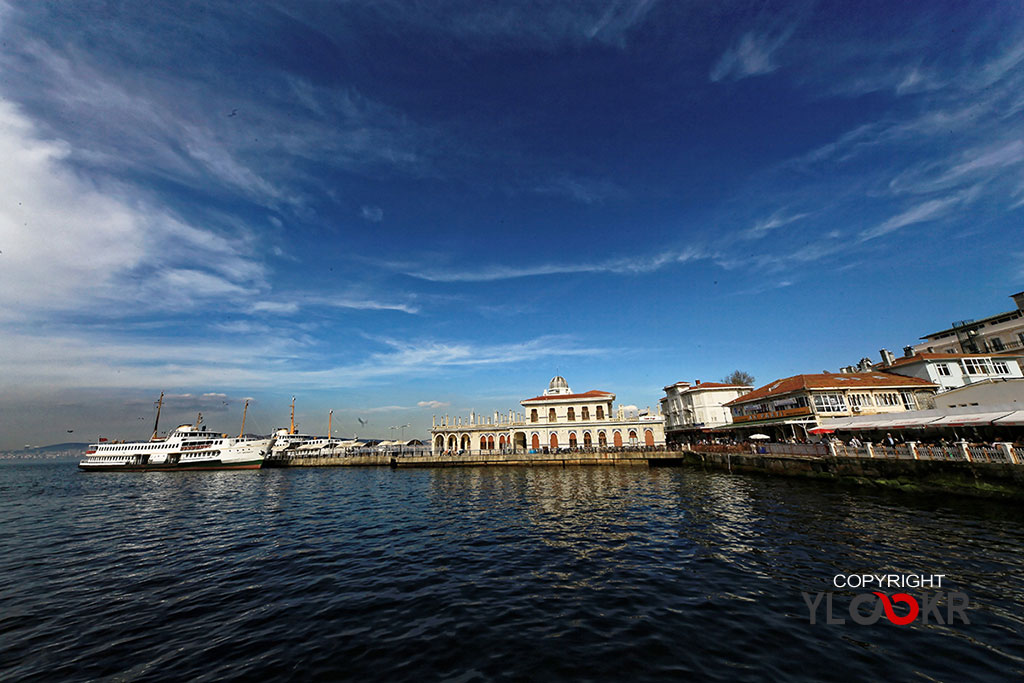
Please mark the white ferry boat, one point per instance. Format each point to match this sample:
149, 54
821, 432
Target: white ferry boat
189, 447
288, 443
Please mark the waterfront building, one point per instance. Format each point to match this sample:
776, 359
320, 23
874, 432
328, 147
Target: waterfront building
985, 393
953, 370
993, 334
792, 405
689, 410
556, 419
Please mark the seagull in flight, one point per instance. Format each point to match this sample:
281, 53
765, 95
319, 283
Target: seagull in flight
234, 112
363, 422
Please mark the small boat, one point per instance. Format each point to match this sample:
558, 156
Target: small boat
188, 447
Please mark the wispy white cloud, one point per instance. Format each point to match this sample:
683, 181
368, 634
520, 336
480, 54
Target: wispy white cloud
753, 54
350, 299
580, 189
74, 244
433, 404
926, 211
268, 361
777, 220
621, 266
374, 214
967, 166
538, 24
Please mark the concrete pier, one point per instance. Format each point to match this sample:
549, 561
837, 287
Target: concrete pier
981, 479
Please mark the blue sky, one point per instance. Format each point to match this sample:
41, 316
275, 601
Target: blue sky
396, 209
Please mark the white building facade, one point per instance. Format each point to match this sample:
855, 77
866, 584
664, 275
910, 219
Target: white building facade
955, 370
556, 420
691, 408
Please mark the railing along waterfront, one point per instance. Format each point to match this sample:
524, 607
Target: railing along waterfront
1005, 453
1000, 452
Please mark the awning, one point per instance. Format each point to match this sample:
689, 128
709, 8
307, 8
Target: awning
969, 419
869, 424
1014, 418
905, 422
820, 430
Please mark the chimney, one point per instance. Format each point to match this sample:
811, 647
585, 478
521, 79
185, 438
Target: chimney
908, 351
697, 382
1018, 299
887, 357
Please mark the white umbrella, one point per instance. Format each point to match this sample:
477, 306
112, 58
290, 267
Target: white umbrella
758, 437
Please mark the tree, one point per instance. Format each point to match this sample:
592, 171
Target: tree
739, 377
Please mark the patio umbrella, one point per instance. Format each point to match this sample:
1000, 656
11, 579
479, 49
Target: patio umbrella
758, 437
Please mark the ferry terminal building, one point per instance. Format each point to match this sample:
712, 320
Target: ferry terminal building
556, 419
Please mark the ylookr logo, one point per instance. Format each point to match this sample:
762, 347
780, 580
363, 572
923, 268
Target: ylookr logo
928, 608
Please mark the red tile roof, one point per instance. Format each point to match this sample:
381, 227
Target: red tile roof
557, 397
838, 380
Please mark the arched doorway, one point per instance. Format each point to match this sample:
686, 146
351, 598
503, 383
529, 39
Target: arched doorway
490, 442
632, 437
520, 441
439, 443
465, 442
648, 437
501, 442
453, 443
602, 439
483, 443
572, 439
587, 441
554, 441
617, 439
535, 441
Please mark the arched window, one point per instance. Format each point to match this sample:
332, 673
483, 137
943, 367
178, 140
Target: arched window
600, 412
554, 440
572, 439
587, 441
585, 413
648, 437
571, 416
490, 442
501, 441
535, 441
483, 442
602, 439
551, 415
617, 439
533, 415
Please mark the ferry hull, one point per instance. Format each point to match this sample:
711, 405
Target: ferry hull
179, 467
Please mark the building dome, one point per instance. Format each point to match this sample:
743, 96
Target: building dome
558, 386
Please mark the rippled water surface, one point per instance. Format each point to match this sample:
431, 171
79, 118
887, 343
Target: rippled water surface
476, 574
